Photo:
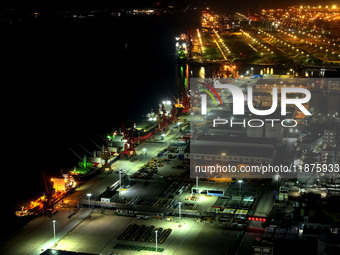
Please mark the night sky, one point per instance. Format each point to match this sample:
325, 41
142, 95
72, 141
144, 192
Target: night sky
215, 4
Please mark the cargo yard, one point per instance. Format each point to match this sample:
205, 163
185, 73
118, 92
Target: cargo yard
106, 230
147, 190
164, 199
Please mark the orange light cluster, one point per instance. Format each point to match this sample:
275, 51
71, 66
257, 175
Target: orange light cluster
257, 219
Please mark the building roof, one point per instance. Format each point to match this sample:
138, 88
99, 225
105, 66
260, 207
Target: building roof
308, 139
108, 193
331, 239
232, 151
227, 114
61, 252
238, 140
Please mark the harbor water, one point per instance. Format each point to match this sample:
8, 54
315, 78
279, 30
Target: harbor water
74, 80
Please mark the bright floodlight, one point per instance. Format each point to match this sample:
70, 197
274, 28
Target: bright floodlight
53, 223
240, 181
89, 194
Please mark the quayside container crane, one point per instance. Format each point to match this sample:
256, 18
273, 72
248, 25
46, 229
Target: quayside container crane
129, 149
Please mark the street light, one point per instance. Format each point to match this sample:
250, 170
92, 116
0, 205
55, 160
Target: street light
120, 179
239, 191
89, 197
53, 223
156, 231
179, 209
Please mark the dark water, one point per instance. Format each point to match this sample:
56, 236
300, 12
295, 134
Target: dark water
68, 81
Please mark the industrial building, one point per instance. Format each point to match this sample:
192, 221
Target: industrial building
236, 150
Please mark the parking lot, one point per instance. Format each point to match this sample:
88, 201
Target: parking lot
100, 234
167, 194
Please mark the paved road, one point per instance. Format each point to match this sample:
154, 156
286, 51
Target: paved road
265, 204
37, 235
248, 240
99, 235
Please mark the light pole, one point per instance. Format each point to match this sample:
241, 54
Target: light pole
239, 190
163, 136
144, 150
89, 197
179, 209
156, 231
53, 223
120, 179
